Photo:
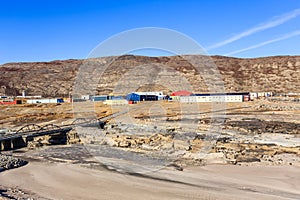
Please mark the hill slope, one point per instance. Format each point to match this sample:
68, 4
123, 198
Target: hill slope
56, 78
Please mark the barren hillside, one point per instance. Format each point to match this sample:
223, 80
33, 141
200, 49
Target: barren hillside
56, 78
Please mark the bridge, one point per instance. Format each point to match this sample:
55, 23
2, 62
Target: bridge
21, 137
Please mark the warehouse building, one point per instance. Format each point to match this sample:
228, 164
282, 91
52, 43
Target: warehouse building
115, 102
141, 97
37, 101
99, 98
217, 97
150, 95
175, 96
257, 95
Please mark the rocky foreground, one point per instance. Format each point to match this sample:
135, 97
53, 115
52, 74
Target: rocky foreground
171, 152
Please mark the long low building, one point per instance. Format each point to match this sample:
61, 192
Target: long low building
36, 101
160, 95
221, 97
143, 97
116, 102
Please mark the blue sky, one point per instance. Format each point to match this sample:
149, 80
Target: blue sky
51, 29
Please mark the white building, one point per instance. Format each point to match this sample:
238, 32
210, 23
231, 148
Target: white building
36, 101
255, 95
116, 102
212, 98
160, 94
85, 97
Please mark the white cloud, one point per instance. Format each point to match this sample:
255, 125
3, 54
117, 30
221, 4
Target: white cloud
284, 37
276, 21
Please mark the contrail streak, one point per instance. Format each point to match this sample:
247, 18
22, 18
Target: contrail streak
284, 37
276, 21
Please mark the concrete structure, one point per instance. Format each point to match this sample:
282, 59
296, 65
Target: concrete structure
12, 143
19, 140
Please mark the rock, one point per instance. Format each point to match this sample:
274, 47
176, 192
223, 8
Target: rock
111, 142
215, 158
124, 144
170, 129
247, 159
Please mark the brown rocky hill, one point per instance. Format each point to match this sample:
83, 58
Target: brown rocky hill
137, 73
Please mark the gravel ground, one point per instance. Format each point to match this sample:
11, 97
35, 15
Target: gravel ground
17, 194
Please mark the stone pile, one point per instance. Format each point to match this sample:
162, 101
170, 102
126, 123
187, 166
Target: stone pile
10, 162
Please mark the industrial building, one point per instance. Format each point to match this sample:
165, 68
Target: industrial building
257, 95
175, 96
181, 93
160, 95
142, 97
106, 97
115, 102
217, 97
36, 101
99, 98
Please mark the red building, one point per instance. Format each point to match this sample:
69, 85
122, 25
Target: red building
8, 102
181, 93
